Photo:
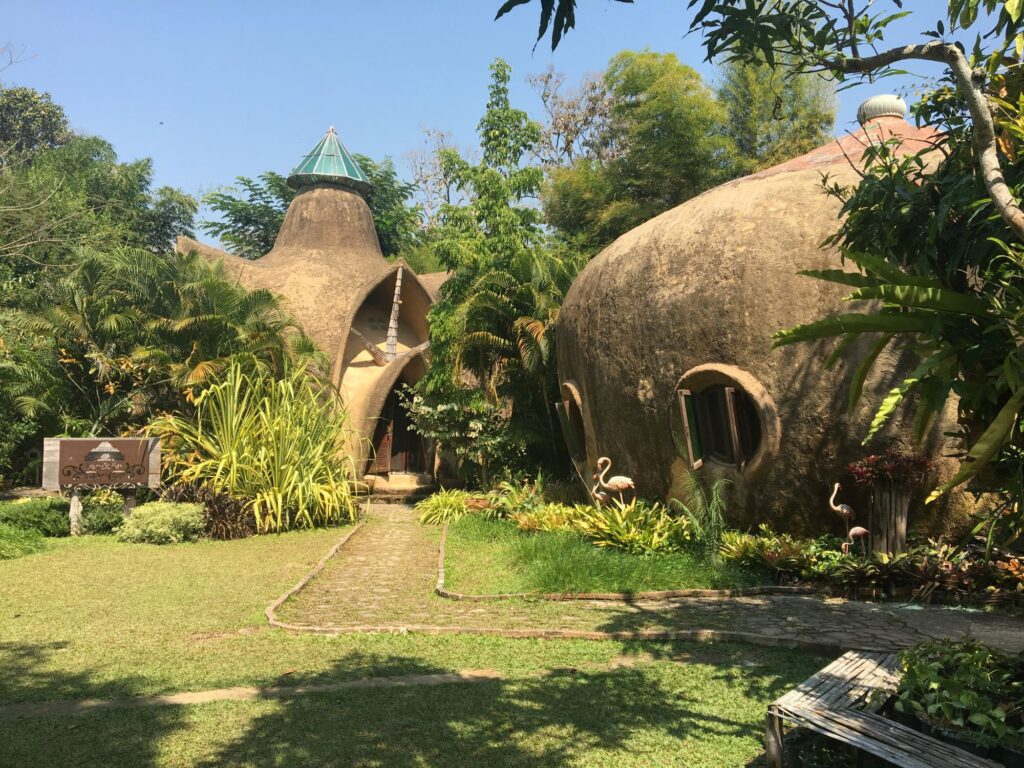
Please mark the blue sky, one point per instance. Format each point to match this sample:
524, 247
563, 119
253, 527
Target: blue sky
213, 90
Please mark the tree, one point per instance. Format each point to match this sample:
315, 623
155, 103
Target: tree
939, 248
576, 119
773, 117
491, 330
29, 120
251, 214
664, 140
128, 333
250, 217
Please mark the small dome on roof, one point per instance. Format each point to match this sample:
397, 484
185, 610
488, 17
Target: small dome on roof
329, 163
883, 105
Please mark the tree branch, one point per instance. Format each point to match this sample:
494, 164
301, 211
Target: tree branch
972, 87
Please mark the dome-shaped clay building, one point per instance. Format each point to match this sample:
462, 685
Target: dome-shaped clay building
369, 315
665, 352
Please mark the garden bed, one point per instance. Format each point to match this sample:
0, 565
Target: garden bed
492, 557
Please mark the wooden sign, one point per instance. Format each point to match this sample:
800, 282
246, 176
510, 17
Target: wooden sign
100, 462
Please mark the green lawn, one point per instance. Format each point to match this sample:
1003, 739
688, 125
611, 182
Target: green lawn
485, 556
94, 618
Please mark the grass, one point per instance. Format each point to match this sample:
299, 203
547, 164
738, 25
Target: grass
487, 556
95, 618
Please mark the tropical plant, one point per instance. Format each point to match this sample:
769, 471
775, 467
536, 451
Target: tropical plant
704, 511
546, 518
638, 527
162, 522
444, 506
18, 542
281, 444
128, 334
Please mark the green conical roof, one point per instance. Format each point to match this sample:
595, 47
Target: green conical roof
329, 162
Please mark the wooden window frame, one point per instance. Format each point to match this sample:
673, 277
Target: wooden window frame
734, 430
695, 463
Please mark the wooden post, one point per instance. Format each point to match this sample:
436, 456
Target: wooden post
75, 514
393, 322
130, 499
773, 741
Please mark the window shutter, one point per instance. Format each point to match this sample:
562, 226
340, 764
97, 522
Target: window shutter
568, 433
734, 430
688, 411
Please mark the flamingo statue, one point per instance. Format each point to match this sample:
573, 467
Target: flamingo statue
855, 533
599, 496
845, 511
617, 483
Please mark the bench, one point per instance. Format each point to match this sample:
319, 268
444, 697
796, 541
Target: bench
841, 703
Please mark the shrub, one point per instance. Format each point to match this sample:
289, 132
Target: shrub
47, 516
446, 505
163, 522
17, 542
102, 512
278, 443
637, 527
780, 554
966, 687
225, 516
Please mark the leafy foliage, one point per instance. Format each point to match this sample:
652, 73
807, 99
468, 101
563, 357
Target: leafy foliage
47, 516
280, 444
966, 687
226, 517
492, 370
666, 142
163, 522
18, 542
773, 115
29, 120
128, 334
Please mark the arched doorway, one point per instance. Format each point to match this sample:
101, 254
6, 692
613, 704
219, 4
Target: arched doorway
396, 446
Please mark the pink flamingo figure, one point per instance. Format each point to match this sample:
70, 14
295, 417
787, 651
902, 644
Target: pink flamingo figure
856, 533
599, 496
617, 483
845, 511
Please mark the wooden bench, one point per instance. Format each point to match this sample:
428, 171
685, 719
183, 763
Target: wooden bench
841, 703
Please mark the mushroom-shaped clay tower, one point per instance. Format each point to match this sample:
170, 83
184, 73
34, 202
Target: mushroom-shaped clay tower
665, 351
369, 315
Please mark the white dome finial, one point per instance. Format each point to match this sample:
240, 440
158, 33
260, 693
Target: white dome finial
883, 105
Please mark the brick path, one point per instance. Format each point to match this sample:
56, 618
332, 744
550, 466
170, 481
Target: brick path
383, 578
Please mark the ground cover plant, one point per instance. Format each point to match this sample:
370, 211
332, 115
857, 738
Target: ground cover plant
486, 556
163, 522
195, 622
18, 542
102, 512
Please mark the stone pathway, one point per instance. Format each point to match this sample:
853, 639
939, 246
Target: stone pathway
383, 579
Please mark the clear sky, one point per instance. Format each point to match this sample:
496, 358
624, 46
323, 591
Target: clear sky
214, 89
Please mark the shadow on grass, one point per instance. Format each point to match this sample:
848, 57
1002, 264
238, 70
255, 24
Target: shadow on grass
26, 674
554, 720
